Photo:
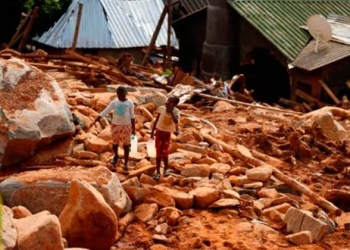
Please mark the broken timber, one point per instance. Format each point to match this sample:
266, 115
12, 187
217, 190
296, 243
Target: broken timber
28, 28
77, 26
154, 37
216, 98
19, 33
245, 155
248, 104
329, 91
109, 70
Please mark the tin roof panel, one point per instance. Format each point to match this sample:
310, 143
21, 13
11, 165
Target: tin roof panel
279, 21
109, 24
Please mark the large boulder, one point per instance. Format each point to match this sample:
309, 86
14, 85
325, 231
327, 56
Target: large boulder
48, 189
33, 111
39, 231
9, 234
87, 220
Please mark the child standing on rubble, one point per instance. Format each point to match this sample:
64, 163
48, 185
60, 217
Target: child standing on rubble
123, 124
165, 124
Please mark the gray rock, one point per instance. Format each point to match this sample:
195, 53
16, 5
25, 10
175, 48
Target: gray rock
49, 189
36, 115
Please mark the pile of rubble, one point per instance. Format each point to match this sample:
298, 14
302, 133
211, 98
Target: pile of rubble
240, 162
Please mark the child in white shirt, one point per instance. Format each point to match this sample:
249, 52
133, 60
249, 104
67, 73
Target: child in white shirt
123, 124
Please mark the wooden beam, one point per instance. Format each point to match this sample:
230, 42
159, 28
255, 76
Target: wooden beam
77, 26
47, 66
28, 28
245, 154
215, 98
249, 105
154, 36
329, 91
168, 54
18, 32
113, 72
308, 98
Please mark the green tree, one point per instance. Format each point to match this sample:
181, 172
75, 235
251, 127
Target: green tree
11, 11
49, 12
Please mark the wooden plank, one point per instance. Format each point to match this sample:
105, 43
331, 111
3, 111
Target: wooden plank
168, 54
18, 33
28, 28
154, 36
77, 26
248, 104
156, 32
308, 98
329, 91
113, 72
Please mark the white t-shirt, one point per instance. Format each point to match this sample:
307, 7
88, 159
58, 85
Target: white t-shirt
166, 122
123, 112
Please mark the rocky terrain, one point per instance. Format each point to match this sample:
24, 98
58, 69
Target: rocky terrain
243, 176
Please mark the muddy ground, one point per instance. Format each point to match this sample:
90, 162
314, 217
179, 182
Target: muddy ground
269, 133
210, 229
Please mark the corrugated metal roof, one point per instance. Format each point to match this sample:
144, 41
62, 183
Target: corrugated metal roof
340, 28
327, 53
109, 24
92, 33
279, 21
194, 5
191, 7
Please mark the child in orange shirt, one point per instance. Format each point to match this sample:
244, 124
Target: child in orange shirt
165, 124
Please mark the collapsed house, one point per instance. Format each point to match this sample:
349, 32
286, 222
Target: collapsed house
107, 28
323, 64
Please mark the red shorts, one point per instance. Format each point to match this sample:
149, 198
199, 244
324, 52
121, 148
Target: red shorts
162, 143
121, 134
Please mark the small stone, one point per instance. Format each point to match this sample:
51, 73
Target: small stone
146, 179
254, 185
173, 218
146, 212
225, 203
347, 226
261, 173
300, 238
20, 212
162, 238
162, 228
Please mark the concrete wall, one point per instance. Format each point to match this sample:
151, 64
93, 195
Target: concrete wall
191, 33
221, 48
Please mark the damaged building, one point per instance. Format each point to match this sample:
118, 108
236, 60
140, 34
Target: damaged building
107, 28
274, 26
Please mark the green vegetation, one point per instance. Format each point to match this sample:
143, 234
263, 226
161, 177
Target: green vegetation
11, 11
